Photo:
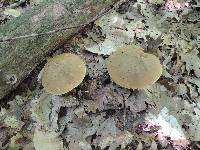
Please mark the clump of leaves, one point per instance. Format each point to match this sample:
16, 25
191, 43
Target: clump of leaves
45, 109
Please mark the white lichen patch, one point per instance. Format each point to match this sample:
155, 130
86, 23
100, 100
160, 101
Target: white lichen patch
57, 11
12, 122
38, 17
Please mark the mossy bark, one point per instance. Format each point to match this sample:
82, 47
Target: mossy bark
20, 56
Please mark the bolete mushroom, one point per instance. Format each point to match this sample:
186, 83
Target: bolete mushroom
62, 73
132, 68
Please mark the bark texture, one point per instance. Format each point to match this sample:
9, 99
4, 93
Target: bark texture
20, 56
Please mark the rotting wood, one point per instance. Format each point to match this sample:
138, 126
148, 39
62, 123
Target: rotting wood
19, 57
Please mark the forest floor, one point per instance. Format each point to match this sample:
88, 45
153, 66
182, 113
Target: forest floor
99, 114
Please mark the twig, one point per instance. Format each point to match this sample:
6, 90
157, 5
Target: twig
39, 34
5, 39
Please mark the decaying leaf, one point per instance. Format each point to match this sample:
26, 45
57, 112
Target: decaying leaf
45, 109
157, 1
159, 97
21, 140
79, 132
144, 34
139, 147
137, 102
195, 81
108, 135
47, 140
190, 117
12, 117
113, 27
3, 138
13, 142
192, 62
110, 96
96, 66
106, 47
12, 12
181, 89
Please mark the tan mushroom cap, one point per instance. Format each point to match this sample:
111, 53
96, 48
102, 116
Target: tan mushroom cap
132, 68
62, 73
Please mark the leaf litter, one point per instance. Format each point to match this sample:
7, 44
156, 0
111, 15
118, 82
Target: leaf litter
102, 115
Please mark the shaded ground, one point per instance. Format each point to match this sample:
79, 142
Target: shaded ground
102, 115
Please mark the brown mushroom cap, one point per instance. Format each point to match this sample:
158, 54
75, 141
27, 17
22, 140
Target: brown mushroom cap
62, 73
132, 68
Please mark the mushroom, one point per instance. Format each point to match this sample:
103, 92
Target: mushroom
132, 68
62, 73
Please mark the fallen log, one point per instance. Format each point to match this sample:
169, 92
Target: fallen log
20, 54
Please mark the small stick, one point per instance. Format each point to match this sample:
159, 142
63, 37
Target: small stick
5, 39
39, 34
